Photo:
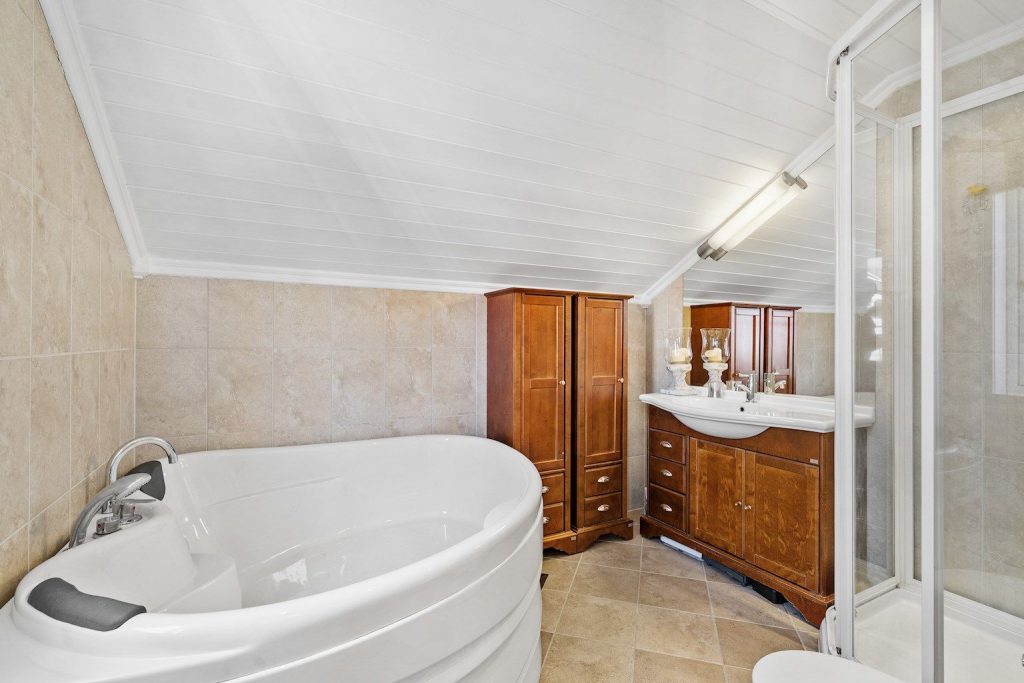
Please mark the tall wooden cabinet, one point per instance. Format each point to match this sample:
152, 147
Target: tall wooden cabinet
556, 378
763, 340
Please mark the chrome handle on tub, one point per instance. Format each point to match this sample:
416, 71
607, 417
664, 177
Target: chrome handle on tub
666, 444
604, 479
544, 489
666, 508
604, 508
666, 473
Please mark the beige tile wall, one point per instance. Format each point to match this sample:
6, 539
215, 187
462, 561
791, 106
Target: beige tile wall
815, 353
231, 363
636, 437
66, 305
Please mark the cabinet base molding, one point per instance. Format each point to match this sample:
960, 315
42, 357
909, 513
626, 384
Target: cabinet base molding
811, 605
572, 542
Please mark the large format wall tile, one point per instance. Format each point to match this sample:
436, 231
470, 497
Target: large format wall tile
67, 302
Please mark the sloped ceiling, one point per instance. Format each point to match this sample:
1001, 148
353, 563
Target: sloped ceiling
578, 144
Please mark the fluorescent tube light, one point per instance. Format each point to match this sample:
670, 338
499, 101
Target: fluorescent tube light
751, 216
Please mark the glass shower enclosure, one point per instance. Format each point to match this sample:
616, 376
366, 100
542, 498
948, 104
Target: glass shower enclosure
929, 163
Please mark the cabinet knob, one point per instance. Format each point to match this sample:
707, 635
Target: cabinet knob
666, 444
562, 382
738, 503
666, 508
748, 507
544, 489
604, 479
546, 520
621, 380
604, 508
666, 473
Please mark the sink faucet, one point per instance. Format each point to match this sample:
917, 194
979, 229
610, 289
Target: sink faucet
749, 385
112, 496
172, 455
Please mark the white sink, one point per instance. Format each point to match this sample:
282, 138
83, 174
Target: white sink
732, 417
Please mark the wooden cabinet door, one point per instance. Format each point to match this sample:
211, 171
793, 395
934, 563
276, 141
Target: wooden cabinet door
716, 494
779, 345
544, 379
781, 510
600, 377
747, 330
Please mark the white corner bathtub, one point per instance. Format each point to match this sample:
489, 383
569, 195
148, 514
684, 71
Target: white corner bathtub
412, 559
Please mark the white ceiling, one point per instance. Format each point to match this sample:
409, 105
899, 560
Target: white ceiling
577, 144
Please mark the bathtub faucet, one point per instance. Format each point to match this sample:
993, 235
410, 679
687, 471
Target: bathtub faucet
172, 455
111, 497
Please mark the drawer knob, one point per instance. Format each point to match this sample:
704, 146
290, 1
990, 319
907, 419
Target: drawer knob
666, 473
604, 479
748, 507
738, 503
546, 520
666, 444
666, 508
544, 489
604, 507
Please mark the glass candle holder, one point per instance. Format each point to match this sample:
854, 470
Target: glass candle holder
715, 352
677, 345
714, 346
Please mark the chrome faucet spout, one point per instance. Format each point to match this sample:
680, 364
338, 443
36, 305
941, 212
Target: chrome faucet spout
172, 455
111, 496
749, 386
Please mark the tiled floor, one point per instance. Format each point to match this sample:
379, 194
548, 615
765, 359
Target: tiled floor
639, 611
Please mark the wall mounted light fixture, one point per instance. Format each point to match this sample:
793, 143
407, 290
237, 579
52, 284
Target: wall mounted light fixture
756, 212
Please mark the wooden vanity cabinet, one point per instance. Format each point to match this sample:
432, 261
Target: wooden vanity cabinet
763, 340
556, 377
761, 506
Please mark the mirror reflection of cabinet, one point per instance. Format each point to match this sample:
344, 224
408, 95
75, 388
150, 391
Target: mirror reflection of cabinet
763, 340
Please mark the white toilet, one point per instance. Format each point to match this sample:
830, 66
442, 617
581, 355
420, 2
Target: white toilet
793, 666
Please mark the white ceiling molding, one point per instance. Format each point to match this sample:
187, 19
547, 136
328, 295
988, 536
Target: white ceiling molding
60, 17
231, 271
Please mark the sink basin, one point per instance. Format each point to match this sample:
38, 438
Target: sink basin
732, 417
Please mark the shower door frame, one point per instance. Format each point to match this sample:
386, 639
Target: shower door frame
880, 19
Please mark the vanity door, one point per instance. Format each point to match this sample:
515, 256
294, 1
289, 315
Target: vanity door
716, 495
781, 510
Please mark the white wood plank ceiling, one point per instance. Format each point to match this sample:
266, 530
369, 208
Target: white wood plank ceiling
583, 144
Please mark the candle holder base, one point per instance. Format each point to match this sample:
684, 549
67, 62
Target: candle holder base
714, 385
680, 388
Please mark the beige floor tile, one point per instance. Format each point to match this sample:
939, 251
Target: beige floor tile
574, 660
608, 554
673, 592
654, 667
545, 643
715, 574
659, 559
552, 554
559, 573
553, 602
809, 639
744, 643
609, 621
682, 634
734, 674
606, 582
743, 604
637, 538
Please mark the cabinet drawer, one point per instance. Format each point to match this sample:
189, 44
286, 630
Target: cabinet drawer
671, 475
602, 509
554, 519
663, 420
666, 445
667, 506
598, 481
552, 488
